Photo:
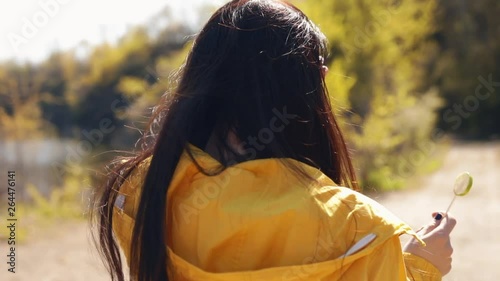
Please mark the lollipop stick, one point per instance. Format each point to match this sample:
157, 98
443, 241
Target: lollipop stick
454, 197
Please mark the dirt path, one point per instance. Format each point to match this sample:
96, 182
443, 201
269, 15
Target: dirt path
62, 252
65, 253
476, 237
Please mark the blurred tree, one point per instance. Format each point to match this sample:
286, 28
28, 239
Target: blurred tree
97, 99
466, 71
55, 75
20, 111
380, 51
121, 83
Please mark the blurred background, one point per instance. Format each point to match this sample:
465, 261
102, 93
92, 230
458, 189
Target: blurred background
416, 86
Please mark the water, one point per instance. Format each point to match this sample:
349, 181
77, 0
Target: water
37, 162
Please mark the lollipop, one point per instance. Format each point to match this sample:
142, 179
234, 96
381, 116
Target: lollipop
462, 186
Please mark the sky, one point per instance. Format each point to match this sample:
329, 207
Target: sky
31, 29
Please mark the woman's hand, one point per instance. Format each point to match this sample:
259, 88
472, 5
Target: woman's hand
437, 237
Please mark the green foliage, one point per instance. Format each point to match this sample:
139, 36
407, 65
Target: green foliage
379, 50
21, 115
64, 202
145, 94
24, 122
390, 131
21, 231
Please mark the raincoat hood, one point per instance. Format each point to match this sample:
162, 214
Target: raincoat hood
256, 220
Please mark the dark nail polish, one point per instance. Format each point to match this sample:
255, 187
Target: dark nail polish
438, 217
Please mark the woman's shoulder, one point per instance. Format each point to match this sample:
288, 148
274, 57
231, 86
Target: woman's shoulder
349, 214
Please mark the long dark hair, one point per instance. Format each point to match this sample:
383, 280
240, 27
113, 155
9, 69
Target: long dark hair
254, 62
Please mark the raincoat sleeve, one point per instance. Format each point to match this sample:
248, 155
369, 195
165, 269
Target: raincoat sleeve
387, 263
386, 259
419, 269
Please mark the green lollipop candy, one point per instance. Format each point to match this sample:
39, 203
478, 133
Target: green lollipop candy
462, 186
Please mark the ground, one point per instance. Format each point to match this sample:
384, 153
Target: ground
476, 237
64, 252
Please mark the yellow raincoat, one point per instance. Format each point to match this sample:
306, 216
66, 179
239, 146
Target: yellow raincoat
255, 221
